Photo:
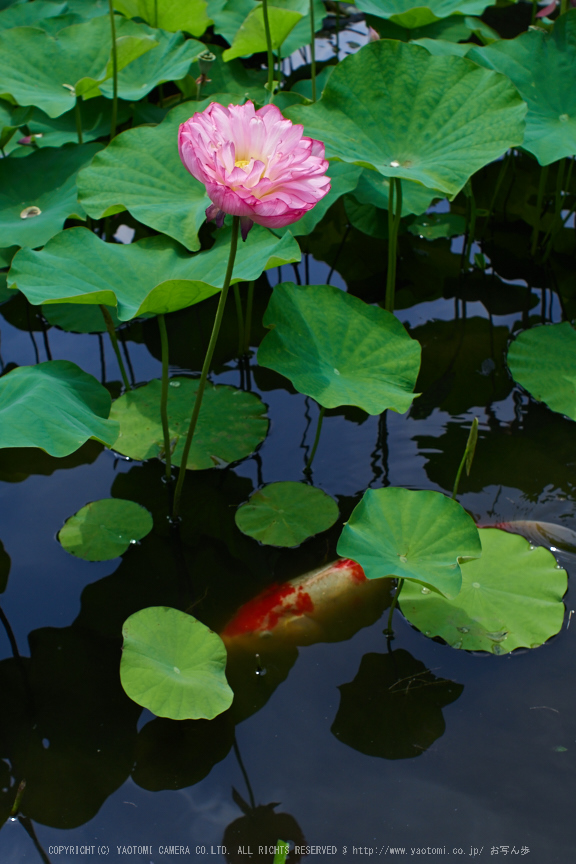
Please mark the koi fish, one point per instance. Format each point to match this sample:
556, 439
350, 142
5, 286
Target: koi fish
554, 537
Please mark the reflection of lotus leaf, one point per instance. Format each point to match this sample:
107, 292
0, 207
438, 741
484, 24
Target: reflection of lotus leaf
393, 707
511, 598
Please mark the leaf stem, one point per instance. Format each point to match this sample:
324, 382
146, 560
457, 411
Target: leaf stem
541, 191
389, 631
467, 457
269, 50
78, 117
164, 396
308, 467
248, 321
313, 50
395, 192
114, 73
206, 367
240, 316
113, 338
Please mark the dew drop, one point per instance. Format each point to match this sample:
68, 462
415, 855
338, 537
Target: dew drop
133, 542
394, 164
457, 644
463, 629
424, 590
177, 670
336, 372
553, 549
532, 547
564, 118
29, 212
174, 383
497, 649
428, 633
403, 559
476, 584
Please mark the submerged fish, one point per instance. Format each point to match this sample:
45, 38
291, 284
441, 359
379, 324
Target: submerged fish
548, 534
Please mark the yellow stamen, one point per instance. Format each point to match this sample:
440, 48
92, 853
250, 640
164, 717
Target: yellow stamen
242, 163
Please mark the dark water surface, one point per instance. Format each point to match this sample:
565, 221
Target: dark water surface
482, 760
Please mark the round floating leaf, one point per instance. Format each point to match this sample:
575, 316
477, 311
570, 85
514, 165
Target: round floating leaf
4, 568
542, 66
511, 598
187, 15
78, 318
251, 35
141, 171
231, 424
155, 275
45, 181
406, 14
103, 530
543, 360
417, 536
55, 406
396, 108
286, 513
338, 349
174, 665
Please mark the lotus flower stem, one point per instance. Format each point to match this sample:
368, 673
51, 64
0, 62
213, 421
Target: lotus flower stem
78, 117
248, 321
164, 397
206, 366
313, 50
389, 631
307, 469
114, 72
269, 50
112, 333
240, 316
394, 216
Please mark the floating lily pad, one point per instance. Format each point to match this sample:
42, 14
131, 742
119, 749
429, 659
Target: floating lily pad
511, 598
433, 120
155, 275
432, 226
78, 318
393, 707
286, 513
174, 665
4, 568
542, 66
231, 424
421, 537
543, 360
46, 182
39, 69
187, 15
406, 14
55, 406
103, 530
338, 349
251, 35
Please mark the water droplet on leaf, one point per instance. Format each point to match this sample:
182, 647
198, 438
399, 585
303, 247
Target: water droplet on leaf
29, 212
424, 590
174, 383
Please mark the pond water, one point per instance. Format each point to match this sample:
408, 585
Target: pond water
474, 758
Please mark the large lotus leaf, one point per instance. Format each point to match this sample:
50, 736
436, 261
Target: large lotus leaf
406, 14
45, 180
229, 16
396, 108
105, 529
39, 69
78, 317
373, 188
542, 66
511, 598
338, 349
416, 536
251, 37
30, 14
231, 424
141, 171
174, 665
11, 119
55, 406
187, 15
393, 707
543, 360
170, 60
95, 117
286, 513
155, 275
455, 28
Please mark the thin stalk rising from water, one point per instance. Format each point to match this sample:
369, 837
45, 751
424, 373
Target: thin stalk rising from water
248, 321
112, 333
394, 216
206, 366
268, 50
78, 117
468, 456
308, 467
164, 396
313, 50
389, 631
240, 316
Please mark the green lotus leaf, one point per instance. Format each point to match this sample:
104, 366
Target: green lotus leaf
95, 117
433, 120
338, 349
187, 15
39, 69
226, 78
542, 67
30, 14
229, 16
435, 225
78, 317
11, 119
442, 48
251, 36
286, 513
141, 171
543, 361
511, 598
366, 218
155, 275
421, 537
455, 28
55, 406
103, 530
231, 424
372, 188
406, 14
4, 568
45, 180
174, 665
344, 178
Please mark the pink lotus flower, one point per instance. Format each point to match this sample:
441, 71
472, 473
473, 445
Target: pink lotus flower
254, 164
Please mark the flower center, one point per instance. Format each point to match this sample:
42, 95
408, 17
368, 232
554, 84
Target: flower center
242, 163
